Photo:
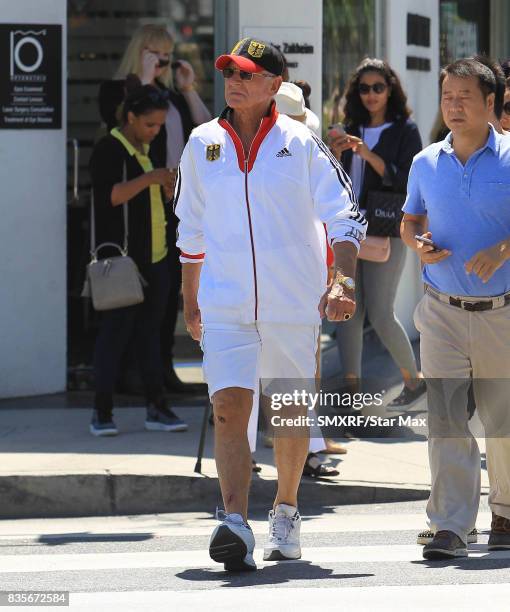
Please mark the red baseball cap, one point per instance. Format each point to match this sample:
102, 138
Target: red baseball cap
253, 56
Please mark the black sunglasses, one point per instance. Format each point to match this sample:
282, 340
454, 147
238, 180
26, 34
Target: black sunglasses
506, 107
162, 62
377, 88
228, 73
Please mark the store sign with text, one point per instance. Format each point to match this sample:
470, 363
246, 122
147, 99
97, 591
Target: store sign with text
296, 43
30, 76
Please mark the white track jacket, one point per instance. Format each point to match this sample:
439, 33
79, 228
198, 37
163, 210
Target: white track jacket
253, 222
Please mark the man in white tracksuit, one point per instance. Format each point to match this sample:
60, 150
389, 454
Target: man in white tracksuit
251, 186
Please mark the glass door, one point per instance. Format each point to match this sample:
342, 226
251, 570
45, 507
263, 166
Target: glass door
464, 29
348, 36
98, 33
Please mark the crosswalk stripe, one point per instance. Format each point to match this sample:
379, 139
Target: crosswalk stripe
381, 598
90, 528
199, 558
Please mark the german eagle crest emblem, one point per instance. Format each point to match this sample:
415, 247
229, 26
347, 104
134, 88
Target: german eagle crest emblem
212, 152
256, 49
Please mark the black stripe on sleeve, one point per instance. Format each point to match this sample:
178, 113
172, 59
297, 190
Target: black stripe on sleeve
343, 179
177, 187
342, 176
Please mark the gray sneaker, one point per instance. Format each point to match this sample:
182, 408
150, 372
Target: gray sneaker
232, 543
425, 537
102, 425
445, 545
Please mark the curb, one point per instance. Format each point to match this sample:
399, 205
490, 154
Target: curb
106, 494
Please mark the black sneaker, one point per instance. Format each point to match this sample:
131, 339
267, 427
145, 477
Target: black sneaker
102, 424
161, 418
102, 421
445, 545
407, 396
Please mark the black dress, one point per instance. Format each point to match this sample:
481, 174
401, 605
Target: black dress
397, 146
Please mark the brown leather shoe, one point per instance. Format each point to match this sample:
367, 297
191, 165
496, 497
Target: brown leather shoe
445, 545
499, 538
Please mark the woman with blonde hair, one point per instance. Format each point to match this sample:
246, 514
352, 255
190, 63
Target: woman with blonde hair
148, 56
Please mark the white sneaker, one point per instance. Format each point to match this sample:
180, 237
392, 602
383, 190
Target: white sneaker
284, 529
232, 543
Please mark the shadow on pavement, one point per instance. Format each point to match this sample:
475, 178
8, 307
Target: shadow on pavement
279, 573
58, 539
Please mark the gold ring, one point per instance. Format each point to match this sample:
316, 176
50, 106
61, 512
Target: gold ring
347, 316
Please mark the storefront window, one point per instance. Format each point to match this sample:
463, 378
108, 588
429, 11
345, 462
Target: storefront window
98, 33
464, 29
348, 36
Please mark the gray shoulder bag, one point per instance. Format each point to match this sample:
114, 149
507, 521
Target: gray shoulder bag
114, 282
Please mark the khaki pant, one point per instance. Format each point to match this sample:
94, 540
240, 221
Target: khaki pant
456, 345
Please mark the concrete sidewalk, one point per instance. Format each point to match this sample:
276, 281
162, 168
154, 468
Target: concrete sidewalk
51, 466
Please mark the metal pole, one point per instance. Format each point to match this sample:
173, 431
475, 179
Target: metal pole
201, 444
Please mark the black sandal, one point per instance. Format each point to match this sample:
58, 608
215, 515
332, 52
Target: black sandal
316, 469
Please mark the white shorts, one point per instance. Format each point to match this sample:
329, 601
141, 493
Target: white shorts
244, 355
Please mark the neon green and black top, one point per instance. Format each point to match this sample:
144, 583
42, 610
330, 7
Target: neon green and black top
158, 221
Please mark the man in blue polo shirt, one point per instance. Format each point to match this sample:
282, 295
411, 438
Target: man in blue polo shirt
459, 198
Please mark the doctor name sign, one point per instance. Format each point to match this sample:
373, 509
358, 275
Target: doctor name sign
30, 76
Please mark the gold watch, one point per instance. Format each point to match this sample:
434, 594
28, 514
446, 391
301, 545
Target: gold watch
346, 281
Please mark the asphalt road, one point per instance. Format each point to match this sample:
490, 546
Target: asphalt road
354, 558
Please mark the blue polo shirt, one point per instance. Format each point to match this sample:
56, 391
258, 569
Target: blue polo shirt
468, 209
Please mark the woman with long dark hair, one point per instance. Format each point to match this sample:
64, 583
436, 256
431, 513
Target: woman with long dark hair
376, 150
124, 175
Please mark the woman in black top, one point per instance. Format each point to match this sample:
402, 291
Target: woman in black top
149, 57
377, 151
123, 175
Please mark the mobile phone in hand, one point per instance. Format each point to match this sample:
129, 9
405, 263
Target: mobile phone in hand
337, 129
427, 241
